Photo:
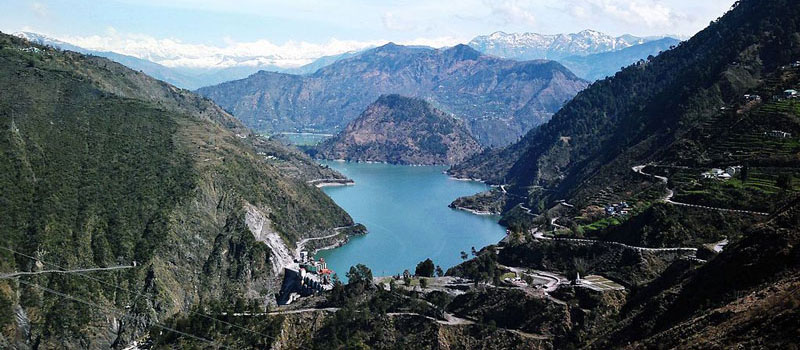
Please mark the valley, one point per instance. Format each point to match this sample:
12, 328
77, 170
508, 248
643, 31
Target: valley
519, 191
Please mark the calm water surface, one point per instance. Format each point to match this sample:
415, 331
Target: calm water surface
405, 210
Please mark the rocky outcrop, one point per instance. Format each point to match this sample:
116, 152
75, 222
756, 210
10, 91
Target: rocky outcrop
280, 257
402, 130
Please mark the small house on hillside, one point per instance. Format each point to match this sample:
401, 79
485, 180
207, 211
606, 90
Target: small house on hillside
790, 93
752, 98
717, 173
621, 208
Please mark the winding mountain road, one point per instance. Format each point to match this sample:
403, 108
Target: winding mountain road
302, 243
540, 235
639, 169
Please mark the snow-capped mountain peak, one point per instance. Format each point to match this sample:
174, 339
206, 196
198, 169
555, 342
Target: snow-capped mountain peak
552, 46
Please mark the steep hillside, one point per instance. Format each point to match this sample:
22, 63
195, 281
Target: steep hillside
628, 165
402, 130
500, 99
104, 167
660, 109
746, 297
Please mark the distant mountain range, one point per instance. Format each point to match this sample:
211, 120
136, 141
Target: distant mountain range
530, 46
589, 54
568, 49
402, 130
500, 99
183, 77
600, 65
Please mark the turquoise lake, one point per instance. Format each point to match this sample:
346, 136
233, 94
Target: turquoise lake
405, 209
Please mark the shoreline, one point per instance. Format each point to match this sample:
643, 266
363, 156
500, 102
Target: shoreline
476, 212
354, 161
319, 183
468, 179
338, 243
334, 184
335, 245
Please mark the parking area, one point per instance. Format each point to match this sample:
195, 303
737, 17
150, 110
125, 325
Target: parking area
600, 283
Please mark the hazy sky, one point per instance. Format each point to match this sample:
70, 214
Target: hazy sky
156, 28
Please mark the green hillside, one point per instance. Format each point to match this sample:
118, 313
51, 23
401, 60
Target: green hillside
101, 166
683, 108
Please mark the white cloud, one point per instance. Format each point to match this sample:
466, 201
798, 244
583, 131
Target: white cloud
514, 12
650, 13
39, 9
445, 41
390, 22
175, 53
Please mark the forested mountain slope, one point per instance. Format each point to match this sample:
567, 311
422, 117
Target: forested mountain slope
647, 110
694, 148
104, 167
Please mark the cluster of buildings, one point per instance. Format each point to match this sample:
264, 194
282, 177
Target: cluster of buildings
516, 281
31, 49
752, 98
311, 277
717, 173
779, 134
795, 64
315, 269
621, 208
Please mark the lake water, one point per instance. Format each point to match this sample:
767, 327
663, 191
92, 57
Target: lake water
405, 210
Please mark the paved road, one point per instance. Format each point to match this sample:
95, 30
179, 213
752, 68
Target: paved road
26, 273
302, 243
670, 193
555, 280
288, 312
555, 224
720, 245
527, 210
540, 235
450, 319
330, 180
281, 312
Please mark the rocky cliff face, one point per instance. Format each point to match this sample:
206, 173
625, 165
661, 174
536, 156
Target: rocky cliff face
499, 99
402, 130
